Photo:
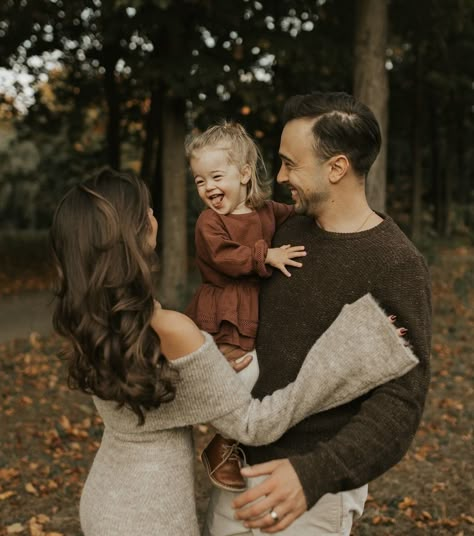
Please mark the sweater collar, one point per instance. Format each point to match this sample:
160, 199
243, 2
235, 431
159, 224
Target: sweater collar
373, 231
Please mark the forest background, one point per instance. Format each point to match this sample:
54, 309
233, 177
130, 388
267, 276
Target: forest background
121, 82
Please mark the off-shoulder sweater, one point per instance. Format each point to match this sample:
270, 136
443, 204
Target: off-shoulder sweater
141, 480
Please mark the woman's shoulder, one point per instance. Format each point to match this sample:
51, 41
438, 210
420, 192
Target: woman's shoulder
178, 334
167, 322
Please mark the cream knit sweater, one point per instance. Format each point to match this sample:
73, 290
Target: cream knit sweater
141, 481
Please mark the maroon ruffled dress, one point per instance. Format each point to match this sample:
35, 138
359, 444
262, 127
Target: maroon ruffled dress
230, 254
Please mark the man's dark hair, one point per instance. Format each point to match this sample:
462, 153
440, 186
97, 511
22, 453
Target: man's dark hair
343, 126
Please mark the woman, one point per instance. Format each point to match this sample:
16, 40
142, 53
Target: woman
153, 373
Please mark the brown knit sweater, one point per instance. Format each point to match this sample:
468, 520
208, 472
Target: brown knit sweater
350, 445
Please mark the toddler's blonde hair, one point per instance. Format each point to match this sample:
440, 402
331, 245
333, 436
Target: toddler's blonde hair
242, 150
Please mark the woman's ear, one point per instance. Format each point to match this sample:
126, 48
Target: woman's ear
245, 174
338, 168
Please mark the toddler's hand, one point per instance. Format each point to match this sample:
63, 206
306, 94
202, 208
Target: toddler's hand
283, 256
235, 356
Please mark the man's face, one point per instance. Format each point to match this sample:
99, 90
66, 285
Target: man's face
305, 175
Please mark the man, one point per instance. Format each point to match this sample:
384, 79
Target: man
313, 481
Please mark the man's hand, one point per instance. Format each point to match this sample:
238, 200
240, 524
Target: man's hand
283, 256
281, 493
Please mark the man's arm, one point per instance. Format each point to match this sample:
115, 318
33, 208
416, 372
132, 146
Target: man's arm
379, 435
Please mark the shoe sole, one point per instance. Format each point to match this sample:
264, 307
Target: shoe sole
215, 482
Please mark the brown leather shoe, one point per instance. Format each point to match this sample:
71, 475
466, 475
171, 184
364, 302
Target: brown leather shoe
222, 459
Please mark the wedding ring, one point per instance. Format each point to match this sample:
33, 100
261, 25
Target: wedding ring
274, 516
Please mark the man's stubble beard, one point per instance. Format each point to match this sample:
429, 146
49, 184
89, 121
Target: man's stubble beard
312, 204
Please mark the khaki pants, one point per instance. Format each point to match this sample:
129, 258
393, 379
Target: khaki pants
332, 514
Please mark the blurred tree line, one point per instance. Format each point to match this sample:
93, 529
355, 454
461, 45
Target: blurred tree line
121, 82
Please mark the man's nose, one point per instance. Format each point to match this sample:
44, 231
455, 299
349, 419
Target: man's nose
282, 175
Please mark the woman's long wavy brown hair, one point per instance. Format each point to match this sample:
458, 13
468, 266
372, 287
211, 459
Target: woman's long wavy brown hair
100, 243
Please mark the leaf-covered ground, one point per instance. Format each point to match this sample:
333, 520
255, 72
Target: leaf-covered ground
49, 434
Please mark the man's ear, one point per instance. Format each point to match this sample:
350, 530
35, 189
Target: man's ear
245, 174
338, 168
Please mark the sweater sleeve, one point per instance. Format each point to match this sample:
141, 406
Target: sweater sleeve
215, 247
380, 434
211, 391
282, 212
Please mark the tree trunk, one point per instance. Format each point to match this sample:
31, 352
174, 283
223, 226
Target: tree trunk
371, 84
110, 59
173, 219
152, 123
439, 169
417, 192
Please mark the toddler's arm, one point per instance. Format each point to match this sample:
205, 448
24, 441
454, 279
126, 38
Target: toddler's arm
215, 247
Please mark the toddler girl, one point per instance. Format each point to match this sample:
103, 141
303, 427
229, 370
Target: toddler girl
233, 237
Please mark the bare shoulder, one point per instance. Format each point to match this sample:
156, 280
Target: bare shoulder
178, 334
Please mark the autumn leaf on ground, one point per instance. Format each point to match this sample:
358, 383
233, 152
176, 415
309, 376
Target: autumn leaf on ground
31, 489
16, 528
407, 502
7, 495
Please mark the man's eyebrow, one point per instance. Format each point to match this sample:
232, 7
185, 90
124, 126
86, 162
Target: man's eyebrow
286, 158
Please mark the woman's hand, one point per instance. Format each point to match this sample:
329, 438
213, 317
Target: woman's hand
283, 256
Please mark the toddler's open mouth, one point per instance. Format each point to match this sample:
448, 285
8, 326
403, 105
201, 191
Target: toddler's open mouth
216, 200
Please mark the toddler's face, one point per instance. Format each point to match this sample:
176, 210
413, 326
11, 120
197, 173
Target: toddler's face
219, 182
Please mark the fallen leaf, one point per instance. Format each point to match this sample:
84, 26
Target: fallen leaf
7, 474
439, 486
16, 528
65, 423
407, 502
7, 495
31, 489
382, 520
35, 340
36, 529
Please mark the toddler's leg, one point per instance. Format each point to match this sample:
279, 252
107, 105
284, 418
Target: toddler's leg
223, 458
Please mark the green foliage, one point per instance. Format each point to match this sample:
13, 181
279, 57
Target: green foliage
239, 60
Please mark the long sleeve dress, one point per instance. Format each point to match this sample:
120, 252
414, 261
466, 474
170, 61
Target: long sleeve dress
141, 481
230, 254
